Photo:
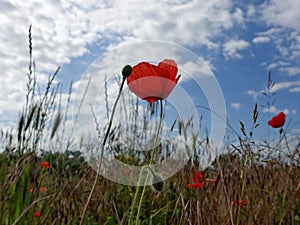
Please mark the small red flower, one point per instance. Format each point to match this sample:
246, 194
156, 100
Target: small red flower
43, 189
196, 185
151, 82
197, 176
240, 202
199, 181
45, 165
37, 214
277, 121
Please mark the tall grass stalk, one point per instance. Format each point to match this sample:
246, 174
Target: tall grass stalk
101, 152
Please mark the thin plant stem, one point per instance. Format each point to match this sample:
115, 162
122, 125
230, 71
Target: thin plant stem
226, 194
286, 183
242, 192
249, 157
101, 154
137, 192
151, 162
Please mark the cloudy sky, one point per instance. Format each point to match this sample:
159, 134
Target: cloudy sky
240, 42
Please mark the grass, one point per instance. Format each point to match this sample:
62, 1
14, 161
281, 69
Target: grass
249, 183
271, 189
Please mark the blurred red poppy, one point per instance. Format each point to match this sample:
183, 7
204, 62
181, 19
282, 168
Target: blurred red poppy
197, 176
151, 82
198, 180
196, 185
277, 121
240, 202
43, 189
37, 214
45, 165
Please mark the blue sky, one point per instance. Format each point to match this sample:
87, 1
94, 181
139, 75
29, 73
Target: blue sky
239, 41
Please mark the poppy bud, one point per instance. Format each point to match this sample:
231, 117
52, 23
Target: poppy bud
126, 71
158, 184
157, 180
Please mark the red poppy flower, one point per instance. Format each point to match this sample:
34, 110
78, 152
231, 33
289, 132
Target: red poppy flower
277, 121
197, 176
198, 180
43, 189
240, 202
45, 165
151, 82
196, 185
37, 214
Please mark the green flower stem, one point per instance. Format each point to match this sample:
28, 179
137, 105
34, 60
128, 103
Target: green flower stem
150, 163
102, 150
137, 192
287, 181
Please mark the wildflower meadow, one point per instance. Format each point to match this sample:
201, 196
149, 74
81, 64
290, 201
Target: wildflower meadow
47, 179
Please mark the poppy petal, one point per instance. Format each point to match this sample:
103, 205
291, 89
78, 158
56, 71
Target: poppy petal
141, 70
151, 82
170, 66
277, 121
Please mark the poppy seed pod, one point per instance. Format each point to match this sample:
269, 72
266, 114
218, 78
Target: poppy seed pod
126, 71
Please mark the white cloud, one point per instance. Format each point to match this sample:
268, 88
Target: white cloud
231, 48
235, 105
261, 39
274, 110
251, 11
161, 20
63, 30
295, 89
287, 46
194, 69
283, 13
254, 94
290, 71
291, 85
276, 65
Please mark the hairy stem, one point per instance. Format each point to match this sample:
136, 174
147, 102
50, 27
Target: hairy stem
151, 161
